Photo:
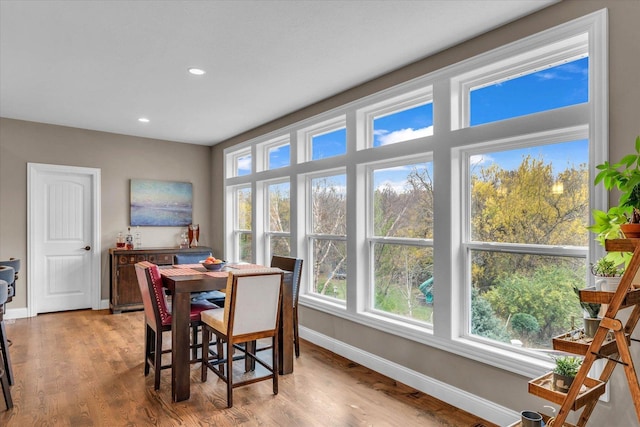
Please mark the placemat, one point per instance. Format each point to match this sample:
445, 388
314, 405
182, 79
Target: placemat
246, 266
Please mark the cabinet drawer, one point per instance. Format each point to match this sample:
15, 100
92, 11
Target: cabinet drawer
161, 259
131, 259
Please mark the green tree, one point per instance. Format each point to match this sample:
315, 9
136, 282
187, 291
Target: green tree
484, 322
545, 293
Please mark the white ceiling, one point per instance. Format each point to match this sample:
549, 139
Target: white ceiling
103, 64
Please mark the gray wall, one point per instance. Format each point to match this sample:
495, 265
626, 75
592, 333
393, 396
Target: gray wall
119, 158
499, 386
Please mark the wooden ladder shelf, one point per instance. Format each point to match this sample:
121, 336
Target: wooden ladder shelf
585, 391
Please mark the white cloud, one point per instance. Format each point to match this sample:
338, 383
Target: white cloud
403, 135
244, 163
396, 186
480, 159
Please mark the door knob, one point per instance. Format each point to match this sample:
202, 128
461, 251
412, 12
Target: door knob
87, 248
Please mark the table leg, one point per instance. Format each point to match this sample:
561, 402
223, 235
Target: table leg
180, 326
285, 337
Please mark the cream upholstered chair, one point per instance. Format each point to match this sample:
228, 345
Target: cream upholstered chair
158, 317
251, 312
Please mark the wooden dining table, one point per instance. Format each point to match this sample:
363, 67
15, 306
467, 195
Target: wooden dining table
182, 280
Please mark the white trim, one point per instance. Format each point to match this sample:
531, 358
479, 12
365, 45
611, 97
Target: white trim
471, 403
33, 169
447, 147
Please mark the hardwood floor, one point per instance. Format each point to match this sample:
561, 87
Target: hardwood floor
85, 368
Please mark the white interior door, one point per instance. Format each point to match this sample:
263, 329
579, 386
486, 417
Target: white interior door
64, 251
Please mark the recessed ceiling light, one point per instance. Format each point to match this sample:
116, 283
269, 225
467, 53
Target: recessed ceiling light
143, 120
196, 71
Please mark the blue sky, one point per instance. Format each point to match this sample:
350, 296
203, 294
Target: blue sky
556, 87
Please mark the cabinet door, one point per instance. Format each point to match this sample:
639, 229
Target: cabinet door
128, 289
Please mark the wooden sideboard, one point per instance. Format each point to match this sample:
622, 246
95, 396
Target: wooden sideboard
125, 293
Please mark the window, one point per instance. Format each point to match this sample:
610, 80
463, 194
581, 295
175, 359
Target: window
242, 230
278, 231
554, 87
399, 119
525, 204
324, 140
327, 235
482, 264
278, 153
401, 244
239, 163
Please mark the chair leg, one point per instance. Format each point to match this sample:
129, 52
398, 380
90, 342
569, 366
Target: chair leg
229, 373
158, 360
6, 389
296, 338
220, 350
148, 346
274, 364
205, 353
4, 348
250, 362
194, 339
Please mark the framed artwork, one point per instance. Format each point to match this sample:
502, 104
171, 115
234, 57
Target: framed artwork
161, 203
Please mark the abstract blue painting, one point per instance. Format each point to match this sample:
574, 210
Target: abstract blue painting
161, 203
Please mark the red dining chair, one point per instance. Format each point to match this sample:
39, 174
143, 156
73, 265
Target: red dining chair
251, 312
158, 318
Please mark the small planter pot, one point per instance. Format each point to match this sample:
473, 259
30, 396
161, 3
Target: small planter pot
591, 326
608, 284
630, 230
562, 383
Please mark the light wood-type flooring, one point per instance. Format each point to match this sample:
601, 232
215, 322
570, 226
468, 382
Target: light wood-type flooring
85, 368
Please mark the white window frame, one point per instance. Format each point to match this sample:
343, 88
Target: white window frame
310, 236
372, 239
468, 245
306, 135
232, 222
448, 144
390, 106
268, 233
263, 149
234, 157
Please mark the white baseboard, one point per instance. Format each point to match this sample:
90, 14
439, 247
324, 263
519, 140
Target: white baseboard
16, 313
21, 313
459, 398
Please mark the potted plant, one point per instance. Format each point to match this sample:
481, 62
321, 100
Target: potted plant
623, 219
608, 274
625, 176
565, 371
592, 318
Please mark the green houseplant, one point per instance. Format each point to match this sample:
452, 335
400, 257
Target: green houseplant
608, 274
565, 371
592, 319
623, 219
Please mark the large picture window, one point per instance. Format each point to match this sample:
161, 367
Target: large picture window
278, 228
524, 204
451, 209
401, 242
327, 235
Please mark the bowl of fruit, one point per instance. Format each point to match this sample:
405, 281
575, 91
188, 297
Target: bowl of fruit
213, 264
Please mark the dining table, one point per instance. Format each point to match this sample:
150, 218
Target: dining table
183, 279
